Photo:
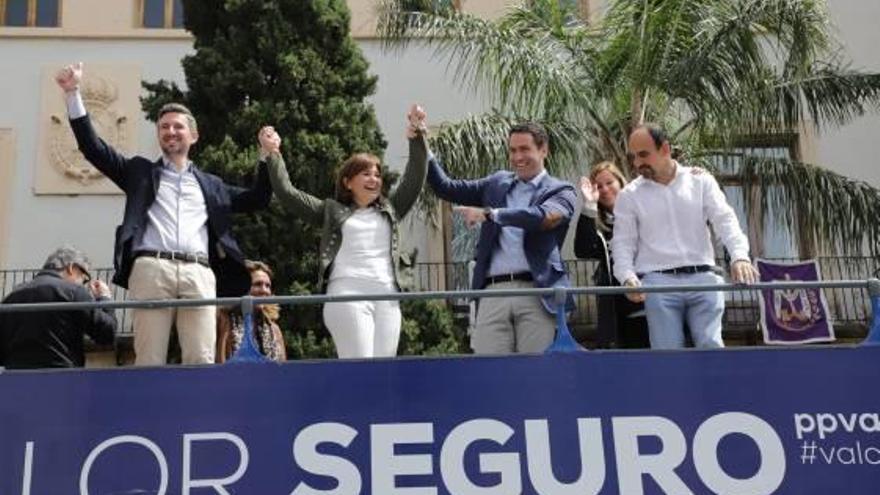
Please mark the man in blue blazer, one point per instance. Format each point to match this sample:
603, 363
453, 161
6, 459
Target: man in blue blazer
524, 215
175, 240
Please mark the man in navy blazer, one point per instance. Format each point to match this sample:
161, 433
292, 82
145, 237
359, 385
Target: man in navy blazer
524, 216
175, 240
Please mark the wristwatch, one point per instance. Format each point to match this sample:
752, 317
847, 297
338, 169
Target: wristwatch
487, 211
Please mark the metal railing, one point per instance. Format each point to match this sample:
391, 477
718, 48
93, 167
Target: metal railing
563, 342
848, 306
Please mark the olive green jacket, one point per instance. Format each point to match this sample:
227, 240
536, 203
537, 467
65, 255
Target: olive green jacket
333, 214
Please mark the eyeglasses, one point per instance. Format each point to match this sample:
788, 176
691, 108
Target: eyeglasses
85, 273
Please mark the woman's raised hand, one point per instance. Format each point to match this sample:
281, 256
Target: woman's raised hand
589, 190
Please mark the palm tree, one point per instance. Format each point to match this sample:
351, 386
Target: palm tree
714, 72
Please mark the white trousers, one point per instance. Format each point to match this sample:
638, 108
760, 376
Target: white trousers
154, 278
362, 329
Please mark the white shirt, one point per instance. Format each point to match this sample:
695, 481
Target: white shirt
657, 227
178, 218
365, 251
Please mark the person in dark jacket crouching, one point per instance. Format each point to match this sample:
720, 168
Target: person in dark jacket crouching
54, 339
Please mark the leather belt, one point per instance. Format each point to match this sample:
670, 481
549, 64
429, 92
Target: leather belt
176, 255
687, 270
509, 277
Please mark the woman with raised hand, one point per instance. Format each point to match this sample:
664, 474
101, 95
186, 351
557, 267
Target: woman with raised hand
360, 250
621, 322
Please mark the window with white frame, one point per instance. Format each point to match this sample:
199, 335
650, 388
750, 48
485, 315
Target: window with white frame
769, 235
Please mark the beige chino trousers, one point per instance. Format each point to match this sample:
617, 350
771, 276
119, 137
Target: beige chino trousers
155, 278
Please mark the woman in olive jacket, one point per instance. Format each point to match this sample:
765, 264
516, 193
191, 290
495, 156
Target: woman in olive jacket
360, 250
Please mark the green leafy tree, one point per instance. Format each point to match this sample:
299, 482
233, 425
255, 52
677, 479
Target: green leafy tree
291, 64
711, 71
428, 329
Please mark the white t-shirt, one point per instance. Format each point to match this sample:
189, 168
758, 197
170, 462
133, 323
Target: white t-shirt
365, 252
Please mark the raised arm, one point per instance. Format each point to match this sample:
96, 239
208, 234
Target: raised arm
588, 241
458, 191
95, 150
258, 196
297, 202
411, 183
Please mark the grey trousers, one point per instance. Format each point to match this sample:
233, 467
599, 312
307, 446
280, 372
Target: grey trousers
512, 324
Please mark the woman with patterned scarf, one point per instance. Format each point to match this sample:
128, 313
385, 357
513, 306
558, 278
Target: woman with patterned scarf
267, 334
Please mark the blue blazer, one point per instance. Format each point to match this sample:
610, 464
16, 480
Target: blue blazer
139, 178
542, 247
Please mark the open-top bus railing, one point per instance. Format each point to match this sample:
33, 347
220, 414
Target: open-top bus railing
849, 307
565, 422
562, 343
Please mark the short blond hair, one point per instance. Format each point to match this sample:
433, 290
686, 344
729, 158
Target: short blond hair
611, 168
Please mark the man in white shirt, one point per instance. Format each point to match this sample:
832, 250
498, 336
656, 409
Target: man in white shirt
661, 237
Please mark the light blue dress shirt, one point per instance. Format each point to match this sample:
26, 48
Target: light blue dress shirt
509, 255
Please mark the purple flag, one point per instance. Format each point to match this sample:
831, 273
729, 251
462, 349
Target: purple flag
793, 316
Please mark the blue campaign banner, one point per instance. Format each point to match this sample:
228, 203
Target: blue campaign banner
739, 422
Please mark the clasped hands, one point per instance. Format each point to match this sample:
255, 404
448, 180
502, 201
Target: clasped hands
270, 141
416, 121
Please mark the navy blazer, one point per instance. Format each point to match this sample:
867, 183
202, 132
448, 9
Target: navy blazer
542, 247
139, 178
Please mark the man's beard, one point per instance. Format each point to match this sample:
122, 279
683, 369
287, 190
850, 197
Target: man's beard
646, 172
173, 149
